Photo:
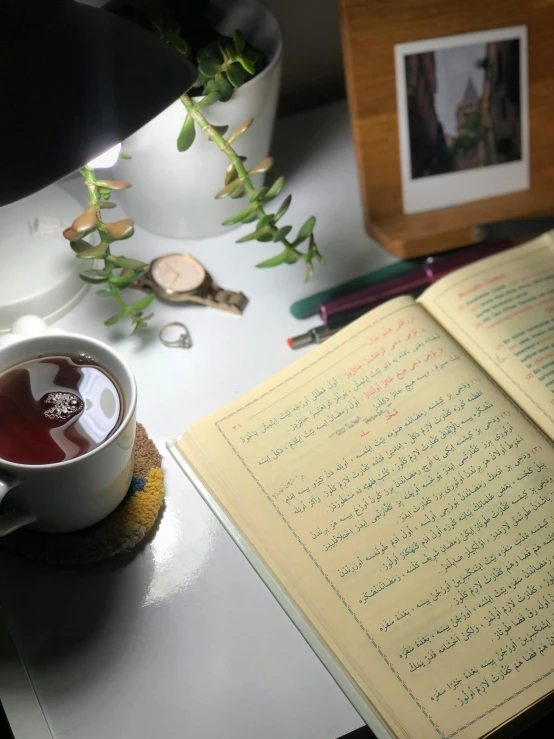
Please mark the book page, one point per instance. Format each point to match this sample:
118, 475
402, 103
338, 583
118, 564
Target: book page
405, 506
501, 310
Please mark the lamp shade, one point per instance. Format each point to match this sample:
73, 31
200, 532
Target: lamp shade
75, 80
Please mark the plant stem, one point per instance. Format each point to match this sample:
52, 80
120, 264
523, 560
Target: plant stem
94, 199
224, 146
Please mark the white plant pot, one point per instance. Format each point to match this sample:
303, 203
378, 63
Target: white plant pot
173, 192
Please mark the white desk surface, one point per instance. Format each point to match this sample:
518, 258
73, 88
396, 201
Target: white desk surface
185, 640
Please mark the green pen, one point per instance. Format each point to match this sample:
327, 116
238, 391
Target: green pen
308, 306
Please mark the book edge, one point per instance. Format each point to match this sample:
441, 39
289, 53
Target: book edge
320, 650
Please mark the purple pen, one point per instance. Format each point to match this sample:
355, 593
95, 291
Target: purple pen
430, 271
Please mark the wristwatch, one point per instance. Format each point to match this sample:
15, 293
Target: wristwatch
181, 278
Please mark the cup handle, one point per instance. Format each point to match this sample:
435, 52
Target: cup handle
11, 521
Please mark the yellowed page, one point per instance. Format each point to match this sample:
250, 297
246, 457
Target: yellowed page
405, 505
501, 310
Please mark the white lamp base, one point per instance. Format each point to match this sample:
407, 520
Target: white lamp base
39, 273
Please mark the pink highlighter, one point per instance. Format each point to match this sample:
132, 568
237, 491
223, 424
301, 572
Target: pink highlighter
432, 269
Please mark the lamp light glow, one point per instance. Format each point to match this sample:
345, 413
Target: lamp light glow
107, 159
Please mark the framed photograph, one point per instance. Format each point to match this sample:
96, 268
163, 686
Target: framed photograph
463, 118
451, 109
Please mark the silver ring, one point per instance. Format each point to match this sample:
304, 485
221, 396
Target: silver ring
183, 341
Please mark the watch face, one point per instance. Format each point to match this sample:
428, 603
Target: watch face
178, 273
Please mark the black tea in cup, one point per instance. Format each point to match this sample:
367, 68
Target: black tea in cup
56, 408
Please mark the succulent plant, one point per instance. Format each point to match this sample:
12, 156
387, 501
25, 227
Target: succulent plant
225, 64
118, 272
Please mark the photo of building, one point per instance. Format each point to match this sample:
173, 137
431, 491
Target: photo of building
463, 107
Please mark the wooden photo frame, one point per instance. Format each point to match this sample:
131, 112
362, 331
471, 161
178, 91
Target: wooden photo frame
415, 209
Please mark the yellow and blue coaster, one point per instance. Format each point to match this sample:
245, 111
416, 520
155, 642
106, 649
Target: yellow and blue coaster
118, 533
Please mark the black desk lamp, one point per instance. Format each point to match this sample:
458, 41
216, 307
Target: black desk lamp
74, 82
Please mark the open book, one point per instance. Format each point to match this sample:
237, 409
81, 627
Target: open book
395, 488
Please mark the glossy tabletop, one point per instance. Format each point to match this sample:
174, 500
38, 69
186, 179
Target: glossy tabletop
184, 640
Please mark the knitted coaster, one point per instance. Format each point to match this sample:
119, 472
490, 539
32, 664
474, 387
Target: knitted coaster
120, 532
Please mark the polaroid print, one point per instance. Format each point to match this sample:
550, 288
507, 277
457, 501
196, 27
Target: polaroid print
463, 117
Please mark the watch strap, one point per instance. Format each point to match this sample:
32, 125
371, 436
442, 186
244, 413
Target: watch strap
217, 297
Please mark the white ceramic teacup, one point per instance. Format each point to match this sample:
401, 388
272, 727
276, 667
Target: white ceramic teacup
71, 495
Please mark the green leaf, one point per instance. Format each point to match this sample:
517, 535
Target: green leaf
222, 130
275, 189
210, 88
223, 86
274, 261
258, 235
107, 206
178, 43
239, 130
95, 252
113, 319
239, 42
240, 216
282, 232
231, 172
127, 263
251, 54
247, 65
209, 60
105, 186
238, 193
283, 208
93, 280
119, 230
251, 218
80, 246
123, 280
213, 97
313, 253
262, 167
124, 155
140, 324
98, 273
292, 257
82, 172
226, 47
200, 80
236, 74
228, 189
257, 195
83, 224
186, 136
305, 231
266, 220
143, 302
106, 293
